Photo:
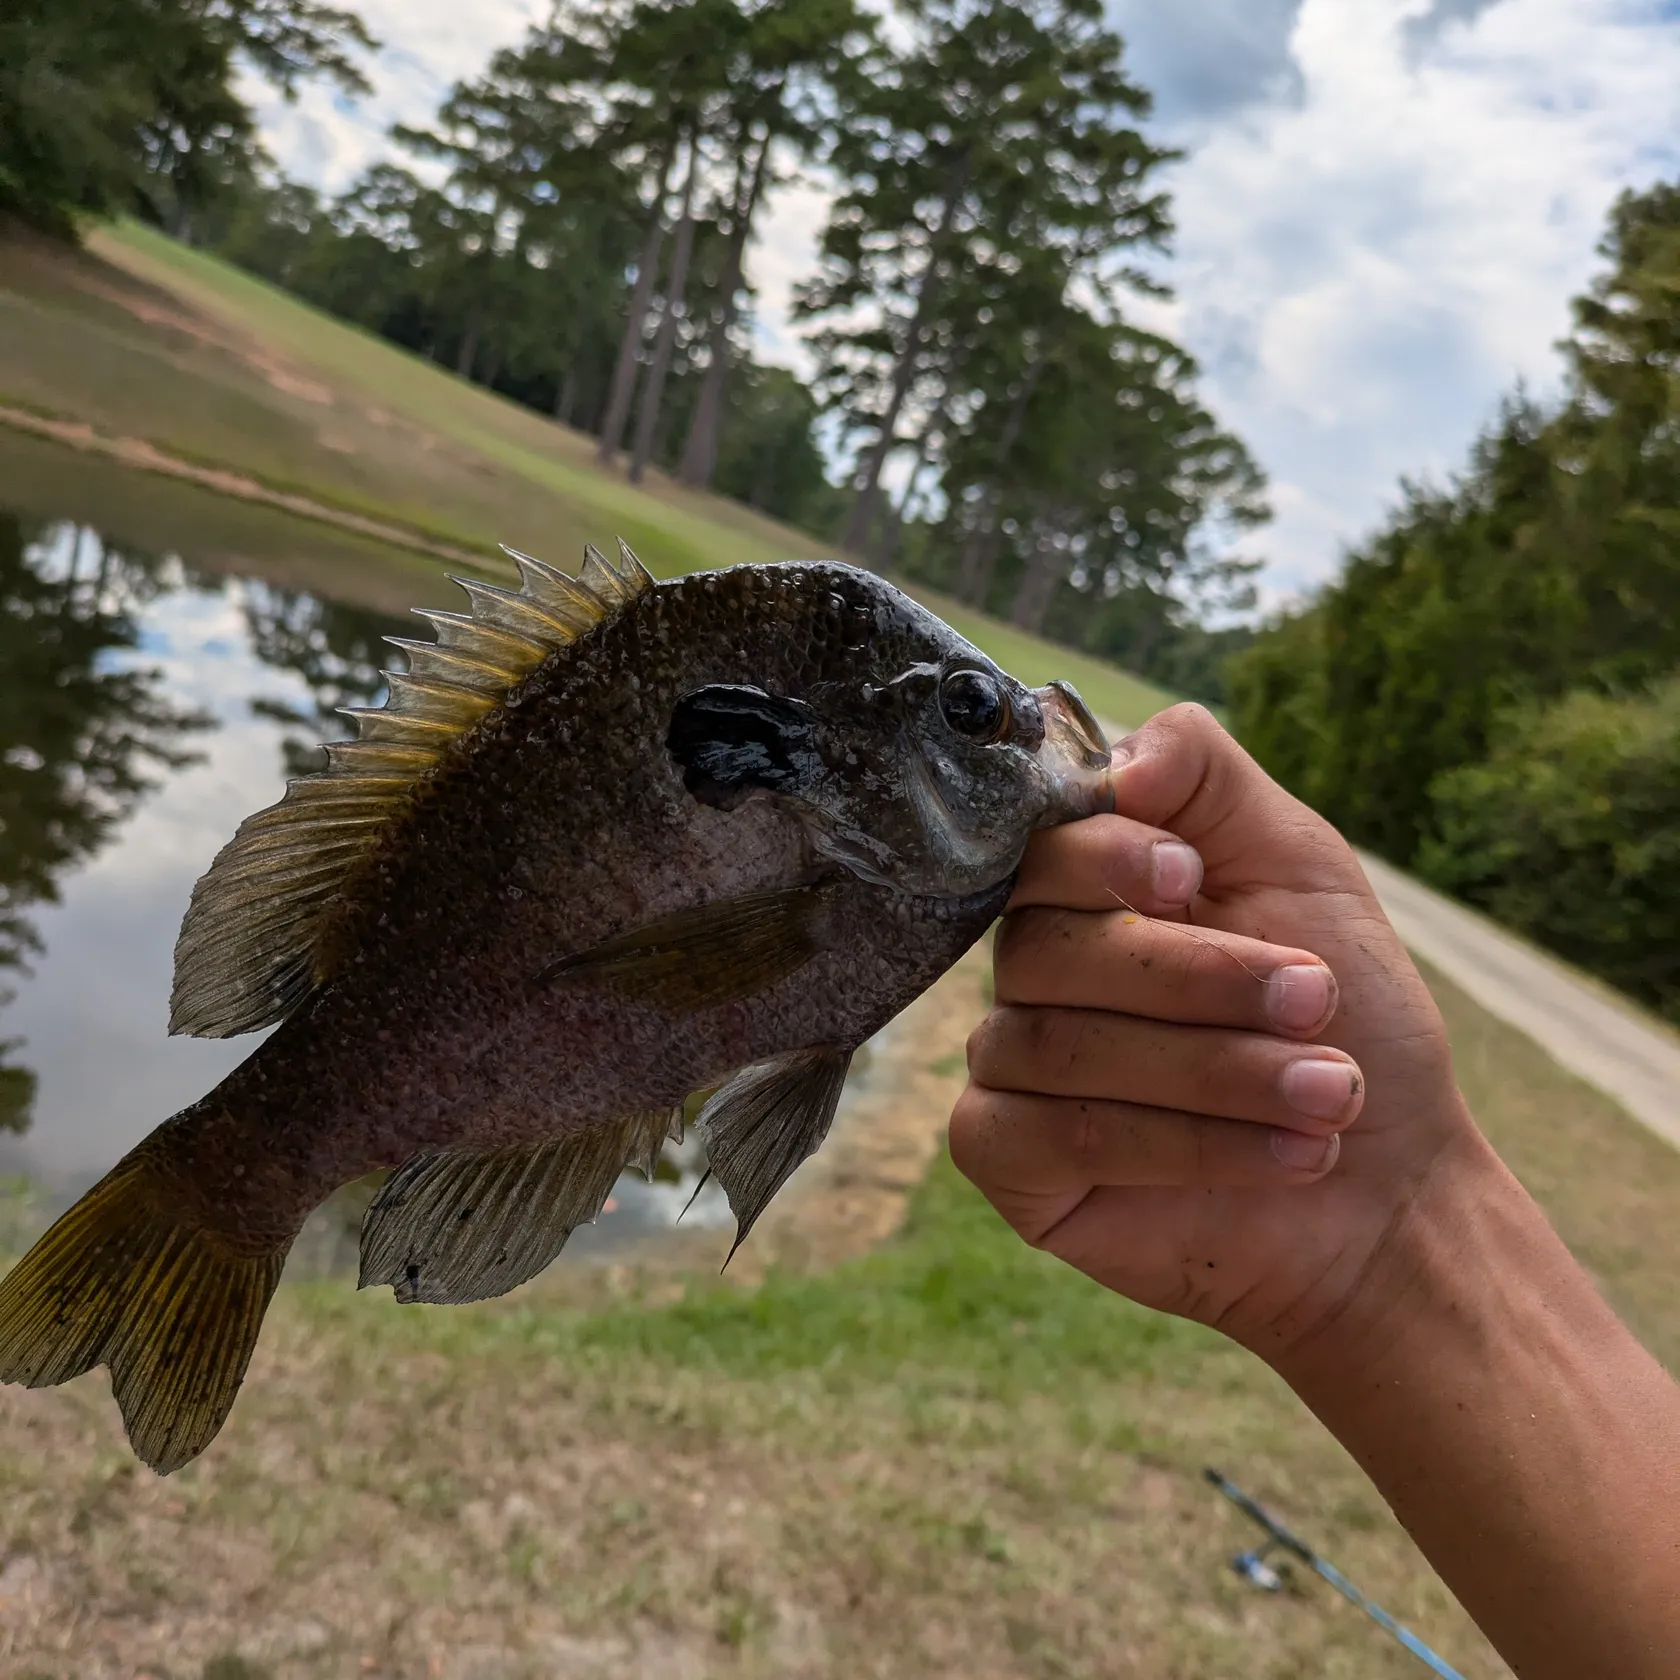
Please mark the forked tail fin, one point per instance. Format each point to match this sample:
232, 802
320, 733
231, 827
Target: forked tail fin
124, 1280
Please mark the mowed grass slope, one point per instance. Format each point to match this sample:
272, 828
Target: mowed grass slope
953, 1457
141, 337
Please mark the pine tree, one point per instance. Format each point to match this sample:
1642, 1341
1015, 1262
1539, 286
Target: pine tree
1002, 122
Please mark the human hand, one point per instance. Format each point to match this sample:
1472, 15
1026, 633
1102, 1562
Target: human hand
1221, 1107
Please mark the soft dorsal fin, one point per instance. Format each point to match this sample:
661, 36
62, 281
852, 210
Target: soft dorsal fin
248, 951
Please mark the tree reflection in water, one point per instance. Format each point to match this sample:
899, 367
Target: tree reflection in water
83, 732
336, 649
88, 728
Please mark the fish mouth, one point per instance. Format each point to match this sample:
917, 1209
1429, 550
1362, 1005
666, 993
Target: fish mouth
1075, 756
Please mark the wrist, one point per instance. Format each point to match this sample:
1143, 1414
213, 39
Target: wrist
1465, 1254
1514, 1426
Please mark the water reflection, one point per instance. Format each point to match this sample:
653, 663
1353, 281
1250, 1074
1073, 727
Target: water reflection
83, 731
337, 650
147, 705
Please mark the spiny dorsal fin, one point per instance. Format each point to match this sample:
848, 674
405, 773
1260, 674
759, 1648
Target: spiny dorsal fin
247, 955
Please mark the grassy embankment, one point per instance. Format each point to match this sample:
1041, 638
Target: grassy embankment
143, 339
950, 1457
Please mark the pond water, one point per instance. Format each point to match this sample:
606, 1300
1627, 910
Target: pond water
154, 690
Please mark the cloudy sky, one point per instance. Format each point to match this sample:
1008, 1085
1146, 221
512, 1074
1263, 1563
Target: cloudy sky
1384, 207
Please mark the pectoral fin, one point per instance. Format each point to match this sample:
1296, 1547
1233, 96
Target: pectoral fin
765, 1122
464, 1226
730, 949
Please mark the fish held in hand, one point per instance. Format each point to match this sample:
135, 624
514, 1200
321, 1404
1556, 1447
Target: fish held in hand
609, 842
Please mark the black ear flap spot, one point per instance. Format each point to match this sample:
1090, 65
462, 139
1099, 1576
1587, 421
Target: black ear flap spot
730, 741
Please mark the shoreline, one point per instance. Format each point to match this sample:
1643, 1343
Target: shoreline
140, 456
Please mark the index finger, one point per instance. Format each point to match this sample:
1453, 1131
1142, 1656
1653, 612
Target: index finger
1181, 770
1108, 863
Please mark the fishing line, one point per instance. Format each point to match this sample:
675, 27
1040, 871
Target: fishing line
1194, 933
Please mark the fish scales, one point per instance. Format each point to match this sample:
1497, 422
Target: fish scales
561, 824
737, 824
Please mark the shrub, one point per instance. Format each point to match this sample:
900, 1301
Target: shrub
1569, 831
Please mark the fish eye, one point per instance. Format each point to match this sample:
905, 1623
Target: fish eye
975, 705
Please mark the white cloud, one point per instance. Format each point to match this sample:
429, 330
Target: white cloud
1386, 206
1366, 265
426, 47
784, 252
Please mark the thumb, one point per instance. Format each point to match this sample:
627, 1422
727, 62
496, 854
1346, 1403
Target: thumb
1182, 772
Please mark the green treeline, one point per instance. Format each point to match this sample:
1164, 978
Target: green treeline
1490, 692
130, 105
574, 229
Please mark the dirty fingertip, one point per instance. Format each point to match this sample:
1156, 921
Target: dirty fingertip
1302, 1153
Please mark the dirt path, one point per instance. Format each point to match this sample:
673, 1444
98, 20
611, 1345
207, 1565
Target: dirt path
1582, 1026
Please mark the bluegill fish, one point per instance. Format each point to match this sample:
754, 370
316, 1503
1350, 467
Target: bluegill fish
609, 842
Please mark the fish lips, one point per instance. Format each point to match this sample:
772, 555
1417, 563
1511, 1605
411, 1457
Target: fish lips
1075, 756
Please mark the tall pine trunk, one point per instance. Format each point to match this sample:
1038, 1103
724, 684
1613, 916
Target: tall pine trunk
887, 548
862, 516
700, 451
980, 548
1046, 567
653, 389
467, 354
565, 394
979, 559
629, 346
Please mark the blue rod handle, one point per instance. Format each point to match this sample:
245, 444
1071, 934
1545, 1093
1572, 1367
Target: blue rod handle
1282, 1537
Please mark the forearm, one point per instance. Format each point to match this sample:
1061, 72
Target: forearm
1521, 1434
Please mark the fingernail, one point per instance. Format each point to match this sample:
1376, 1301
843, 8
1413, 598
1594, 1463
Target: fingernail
1178, 871
1319, 1089
1301, 1153
1300, 996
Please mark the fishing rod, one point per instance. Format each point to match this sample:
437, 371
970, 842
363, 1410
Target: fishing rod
1253, 1568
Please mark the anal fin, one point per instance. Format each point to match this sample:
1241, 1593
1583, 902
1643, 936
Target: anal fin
764, 1122
468, 1225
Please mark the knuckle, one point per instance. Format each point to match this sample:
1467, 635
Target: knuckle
1025, 939
983, 1044
1087, 1136
969, 1117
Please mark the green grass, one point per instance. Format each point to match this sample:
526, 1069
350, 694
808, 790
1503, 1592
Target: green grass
681, 530
950, 1456
954, 1306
